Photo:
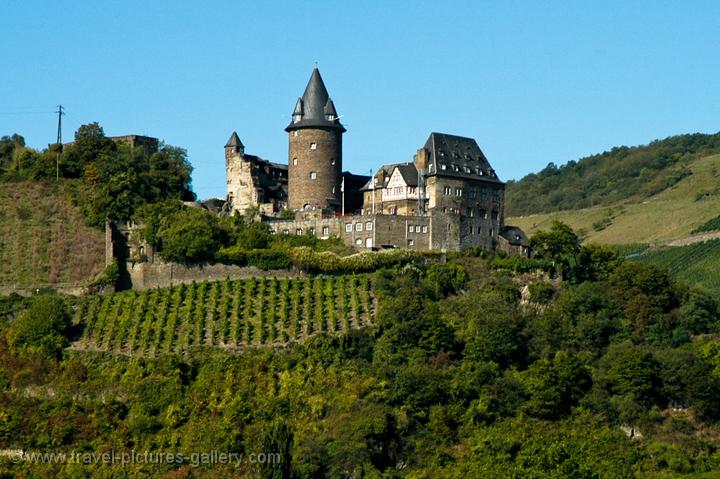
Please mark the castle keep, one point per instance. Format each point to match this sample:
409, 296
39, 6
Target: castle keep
447, 198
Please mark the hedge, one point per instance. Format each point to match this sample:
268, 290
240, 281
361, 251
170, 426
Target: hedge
308, 260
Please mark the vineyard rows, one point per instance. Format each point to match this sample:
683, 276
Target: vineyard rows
227, 314
697, 263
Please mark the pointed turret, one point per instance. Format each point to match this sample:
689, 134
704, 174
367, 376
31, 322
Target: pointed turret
329, 110
234, 142
310, 110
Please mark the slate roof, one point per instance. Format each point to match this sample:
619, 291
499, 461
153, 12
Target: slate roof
515, 236
234, 141
461, 157
409, 174
315, 107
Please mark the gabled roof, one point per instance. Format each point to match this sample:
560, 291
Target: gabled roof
314, 107
234, 141
409, 174
407, 170
460, 156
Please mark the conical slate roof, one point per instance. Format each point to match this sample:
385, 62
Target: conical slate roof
313, 109
234, 141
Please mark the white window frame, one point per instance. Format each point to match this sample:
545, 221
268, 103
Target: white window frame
348, 227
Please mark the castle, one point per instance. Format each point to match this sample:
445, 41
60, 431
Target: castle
447, 198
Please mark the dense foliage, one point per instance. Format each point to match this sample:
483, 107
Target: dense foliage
111, 179
619, 174
710, 225
612, 373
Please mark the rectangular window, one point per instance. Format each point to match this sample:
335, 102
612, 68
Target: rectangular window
472, 230
358, 226
326, 231
411, 228
411, 242
472, 193
348, 227
313, 146
313, 175
424, 229
312, 231
483, 214
286, 232
443, 166
494, 215
298, 232
458, 191
470, 212
368, 226
358, 241
448, 190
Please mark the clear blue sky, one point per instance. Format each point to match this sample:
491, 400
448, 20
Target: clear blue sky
533, 82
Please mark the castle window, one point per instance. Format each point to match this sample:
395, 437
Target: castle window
472, 230
458, 191
298, 232
294, 161
358, 226
348, 227
491, 232
482, 214
467, 169
472, 193
326, 231
479, 228
286, 232
368, 226
443, 166
424, 229
411, 228
470, 212
295, 133
332, 161
273, 232
494, 215
333, 190
313, 175
312, 231
448, 190
358, 241
313, 146
456, 168
411, 242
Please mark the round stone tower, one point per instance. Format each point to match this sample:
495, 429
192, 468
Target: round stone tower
315, 150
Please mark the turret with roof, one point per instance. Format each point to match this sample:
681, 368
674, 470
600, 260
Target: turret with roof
315, 150
315, 109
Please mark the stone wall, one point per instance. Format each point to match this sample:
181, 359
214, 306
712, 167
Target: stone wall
158, 275
314, 168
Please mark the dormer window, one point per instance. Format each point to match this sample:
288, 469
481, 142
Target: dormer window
443, 166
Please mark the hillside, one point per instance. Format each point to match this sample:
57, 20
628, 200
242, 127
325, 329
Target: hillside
696, 264
43, 237
623, 174
670, 214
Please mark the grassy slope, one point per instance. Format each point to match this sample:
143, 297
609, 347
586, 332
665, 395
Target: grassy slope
43, 239
668, 215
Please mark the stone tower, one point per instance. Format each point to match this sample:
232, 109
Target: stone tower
240, 191
315, 150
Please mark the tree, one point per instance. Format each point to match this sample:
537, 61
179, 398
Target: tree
191, 235
41, 327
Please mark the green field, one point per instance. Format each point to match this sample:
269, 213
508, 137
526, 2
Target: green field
43, 238
227, 314
696, 264
669, 215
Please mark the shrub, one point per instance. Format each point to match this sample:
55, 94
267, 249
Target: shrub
268, 259
41, 327
308, 260
519, 264
541, 292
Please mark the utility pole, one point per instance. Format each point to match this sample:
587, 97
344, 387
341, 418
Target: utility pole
60, 114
